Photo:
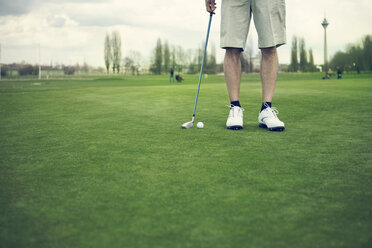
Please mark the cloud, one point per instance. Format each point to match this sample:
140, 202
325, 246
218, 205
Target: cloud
15, 7
21, 7
76, 28
56, 21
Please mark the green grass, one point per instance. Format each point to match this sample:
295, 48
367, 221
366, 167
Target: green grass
104, 163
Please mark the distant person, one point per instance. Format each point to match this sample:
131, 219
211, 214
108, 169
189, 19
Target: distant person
269, 19
179, 78
330, 73
339, 73
171, 76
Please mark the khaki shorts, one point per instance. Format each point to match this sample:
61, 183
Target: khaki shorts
269, 20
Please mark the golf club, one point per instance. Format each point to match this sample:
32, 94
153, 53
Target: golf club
191, 123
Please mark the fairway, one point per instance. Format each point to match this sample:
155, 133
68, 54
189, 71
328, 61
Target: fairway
103, 162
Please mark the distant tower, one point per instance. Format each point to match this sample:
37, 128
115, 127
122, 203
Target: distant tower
325, 25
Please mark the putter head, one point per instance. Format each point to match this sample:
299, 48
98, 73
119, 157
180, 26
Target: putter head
187, 124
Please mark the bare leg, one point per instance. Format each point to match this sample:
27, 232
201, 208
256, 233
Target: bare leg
233, 71
269, 73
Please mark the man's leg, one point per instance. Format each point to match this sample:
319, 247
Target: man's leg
267, 117
232, 69
269, 73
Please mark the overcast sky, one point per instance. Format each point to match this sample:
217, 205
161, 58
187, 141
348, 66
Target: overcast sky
72, 31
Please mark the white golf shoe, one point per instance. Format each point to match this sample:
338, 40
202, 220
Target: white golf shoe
268, 119
235, 119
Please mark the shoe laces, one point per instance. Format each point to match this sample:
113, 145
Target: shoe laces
274, 111
231, 106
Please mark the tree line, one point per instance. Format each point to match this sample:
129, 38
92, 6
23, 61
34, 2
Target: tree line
357, 57
112, 52
25, 69
166, 57
301, 60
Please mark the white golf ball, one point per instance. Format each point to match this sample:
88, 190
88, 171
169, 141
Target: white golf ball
200, 125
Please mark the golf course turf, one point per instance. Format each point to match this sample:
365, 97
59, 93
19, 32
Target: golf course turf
103, 162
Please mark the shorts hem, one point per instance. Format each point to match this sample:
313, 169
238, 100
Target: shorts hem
225, 46
276, 44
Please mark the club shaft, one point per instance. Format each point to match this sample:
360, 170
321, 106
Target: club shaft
202, 64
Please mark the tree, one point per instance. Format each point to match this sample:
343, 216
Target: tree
133, 62
129, 65
249, 52
4, 70
244, 62
357, 57
85, 67
69, 70
200, 55
367, 52
194, 67
189, 60
341, 60
156, 66
167, 57
303, 56
311, 66
107, 52
355, 53
202, 46
212, 64
181, 58
294, 59
246, 58
28, 69
116, 51
173, 55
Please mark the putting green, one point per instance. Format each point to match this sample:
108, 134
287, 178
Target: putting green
103, 162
